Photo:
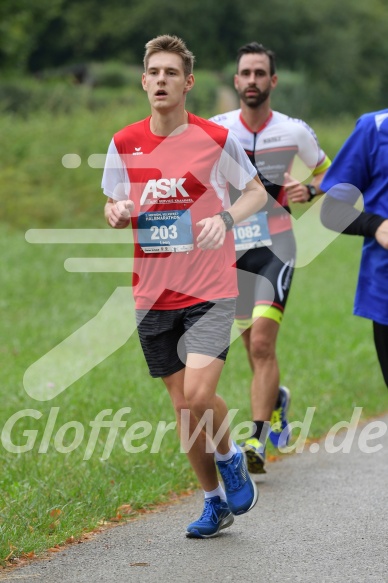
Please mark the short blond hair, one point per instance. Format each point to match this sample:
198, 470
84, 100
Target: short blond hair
170, 44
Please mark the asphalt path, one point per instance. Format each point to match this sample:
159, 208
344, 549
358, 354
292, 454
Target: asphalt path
321, 517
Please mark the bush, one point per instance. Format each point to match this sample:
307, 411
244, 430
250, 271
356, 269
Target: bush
114, 74
202, 99
97, 86
27, 96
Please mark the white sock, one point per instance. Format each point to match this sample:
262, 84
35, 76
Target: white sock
219, 491
224, 457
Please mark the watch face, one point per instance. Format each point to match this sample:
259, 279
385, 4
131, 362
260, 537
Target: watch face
228, 220
312, 190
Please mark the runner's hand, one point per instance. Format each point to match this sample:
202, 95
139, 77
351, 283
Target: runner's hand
120, 213
295, 190
212, 235
381, 234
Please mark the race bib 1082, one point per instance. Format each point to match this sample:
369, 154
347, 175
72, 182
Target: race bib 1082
252, 233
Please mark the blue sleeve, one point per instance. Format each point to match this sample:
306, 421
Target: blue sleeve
349, 174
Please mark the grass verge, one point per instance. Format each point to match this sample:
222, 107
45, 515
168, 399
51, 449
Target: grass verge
51, 492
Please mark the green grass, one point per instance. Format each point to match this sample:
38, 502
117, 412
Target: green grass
326, 355
44, 304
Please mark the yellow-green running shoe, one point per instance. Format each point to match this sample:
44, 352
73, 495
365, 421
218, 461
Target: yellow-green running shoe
255, 454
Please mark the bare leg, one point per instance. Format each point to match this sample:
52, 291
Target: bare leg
260, 342
200, 456
201, 379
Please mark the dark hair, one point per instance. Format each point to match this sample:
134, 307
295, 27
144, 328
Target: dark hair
170, 44
260, 49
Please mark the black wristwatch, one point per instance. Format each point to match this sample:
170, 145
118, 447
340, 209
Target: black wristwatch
312, 191
228, 220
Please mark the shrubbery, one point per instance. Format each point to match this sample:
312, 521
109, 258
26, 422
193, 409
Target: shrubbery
92, 87
25, 96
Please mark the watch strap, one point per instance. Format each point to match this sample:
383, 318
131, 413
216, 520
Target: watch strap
228, 219
312, 191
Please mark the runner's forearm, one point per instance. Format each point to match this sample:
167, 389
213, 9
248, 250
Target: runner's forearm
252, 199
344, 218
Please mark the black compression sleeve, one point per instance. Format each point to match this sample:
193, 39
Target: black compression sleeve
344, 218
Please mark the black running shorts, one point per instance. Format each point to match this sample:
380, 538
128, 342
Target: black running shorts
266, 294
167, 336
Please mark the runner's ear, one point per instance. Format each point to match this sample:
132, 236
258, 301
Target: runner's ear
189, 83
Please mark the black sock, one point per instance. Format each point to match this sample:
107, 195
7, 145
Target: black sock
261, 431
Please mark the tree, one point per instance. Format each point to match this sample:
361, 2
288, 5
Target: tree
21, 24
336, 51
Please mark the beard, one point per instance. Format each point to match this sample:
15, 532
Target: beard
254, 101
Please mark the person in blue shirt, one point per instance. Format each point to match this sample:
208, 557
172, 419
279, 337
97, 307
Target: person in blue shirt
361, 169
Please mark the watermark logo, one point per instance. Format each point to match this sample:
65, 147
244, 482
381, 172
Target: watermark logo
342, 436
141, 436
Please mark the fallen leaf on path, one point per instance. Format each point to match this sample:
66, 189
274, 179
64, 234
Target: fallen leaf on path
125, 509
273, 458
29, 555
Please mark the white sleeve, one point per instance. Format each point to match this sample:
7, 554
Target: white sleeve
309, 149
115, 181
234, 164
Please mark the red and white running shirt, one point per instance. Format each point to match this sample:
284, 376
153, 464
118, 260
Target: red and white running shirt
165, 176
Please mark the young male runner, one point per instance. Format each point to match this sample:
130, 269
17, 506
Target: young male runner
271, 140
168, 176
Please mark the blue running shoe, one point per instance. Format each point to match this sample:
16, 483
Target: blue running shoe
255, 454
240, 489
280, 431
215, 516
